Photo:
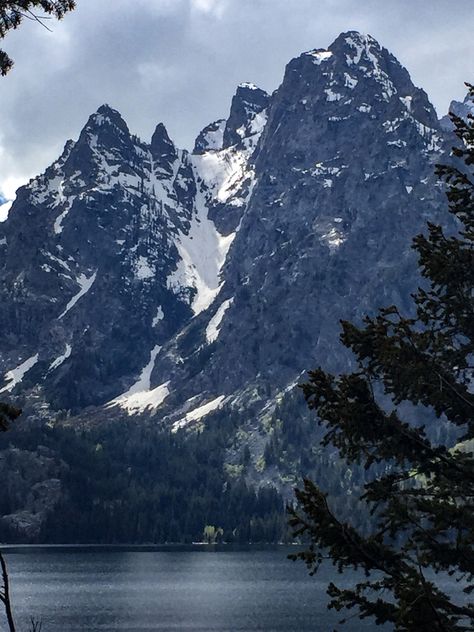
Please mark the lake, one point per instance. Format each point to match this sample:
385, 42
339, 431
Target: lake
168, 589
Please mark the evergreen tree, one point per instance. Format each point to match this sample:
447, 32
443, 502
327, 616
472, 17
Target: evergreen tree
12, 15
420, 488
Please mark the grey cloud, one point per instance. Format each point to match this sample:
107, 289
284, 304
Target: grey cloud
179, 61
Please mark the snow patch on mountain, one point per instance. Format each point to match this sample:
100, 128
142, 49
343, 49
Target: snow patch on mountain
256, 127
319, 56
16, 375
212, 329
158, 316
85, 284
334, 238
143, 382
407, 102
222, 172
203, 251
143, 269
325, 170
58, 222
332, 96
140, 396
62, 264
349, 81
143, 400
198, 413
366, 50
60, 359
431, 137
223, 176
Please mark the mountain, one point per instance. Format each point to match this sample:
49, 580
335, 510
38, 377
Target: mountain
343, 179
140, 281
102, 256
462, 109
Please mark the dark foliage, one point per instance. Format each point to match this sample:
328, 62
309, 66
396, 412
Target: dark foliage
134, 483
8, 414
420, 487
12, 14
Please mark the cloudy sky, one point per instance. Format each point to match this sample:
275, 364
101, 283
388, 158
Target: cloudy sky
179, 61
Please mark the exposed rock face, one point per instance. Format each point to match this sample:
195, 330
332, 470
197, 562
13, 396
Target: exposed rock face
140, 279
101, 261
211, 137
343, 178
246, 115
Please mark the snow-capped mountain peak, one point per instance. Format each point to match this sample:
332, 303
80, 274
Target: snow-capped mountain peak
106, 125
158, 280
138, 279
248, 103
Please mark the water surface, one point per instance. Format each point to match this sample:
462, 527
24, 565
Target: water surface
93, 589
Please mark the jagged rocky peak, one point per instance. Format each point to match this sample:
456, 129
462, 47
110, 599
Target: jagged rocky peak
364, 55
106, 123
223, 243
104, 138
246, 114
459, 108
162, 147
360, 48
356, 64
465, 108
354, 83
342, 183
93, 244
223, 156
215, 284
211, 138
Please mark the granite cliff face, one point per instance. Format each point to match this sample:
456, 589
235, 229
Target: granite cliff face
86, 255
108, 254
342, 179
140, 279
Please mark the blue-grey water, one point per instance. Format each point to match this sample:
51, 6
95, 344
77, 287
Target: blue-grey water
169, 590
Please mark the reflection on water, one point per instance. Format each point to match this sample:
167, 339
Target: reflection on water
198, 590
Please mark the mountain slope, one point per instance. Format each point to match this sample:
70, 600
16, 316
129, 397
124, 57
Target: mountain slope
184, 291
343, 180
106, 255
129, 266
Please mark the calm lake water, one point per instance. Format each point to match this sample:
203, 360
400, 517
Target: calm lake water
168, 590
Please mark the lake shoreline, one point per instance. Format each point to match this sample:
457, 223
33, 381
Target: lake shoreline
147, 548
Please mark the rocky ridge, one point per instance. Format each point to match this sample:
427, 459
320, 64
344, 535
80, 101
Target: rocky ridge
107, 254
142, 280
343, 178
